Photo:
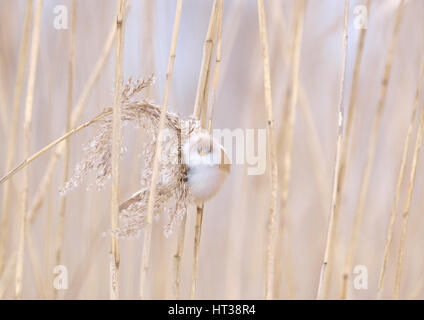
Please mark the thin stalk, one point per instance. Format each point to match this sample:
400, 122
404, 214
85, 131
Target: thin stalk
200, 112
36, 267
116, 151
181, 236
370, 155
4, 127
414, 295
199, 216
208, 49
6, 277
158, 150
57, 141
31, 158
272, 225
340, 132
349, 132
13, 131
399, 184
216, 71
405, 215
48, 234
148, 29
197, 234
287, 136
318, 163
59, 237
177, 258
27, 134
76, 114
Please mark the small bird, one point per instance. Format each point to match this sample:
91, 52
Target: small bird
207, 166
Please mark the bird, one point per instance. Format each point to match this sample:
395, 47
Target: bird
207, 166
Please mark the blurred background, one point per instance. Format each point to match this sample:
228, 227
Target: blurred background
232, 254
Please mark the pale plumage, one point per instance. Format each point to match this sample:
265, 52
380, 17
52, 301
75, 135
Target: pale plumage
207, 166
203, 171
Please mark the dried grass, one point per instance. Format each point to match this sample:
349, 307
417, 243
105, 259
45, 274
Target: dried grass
13, 132
286, 136
27, 128
271, 227
158, 152
61, 222
200, 113
370, 155
399, 184
322, 286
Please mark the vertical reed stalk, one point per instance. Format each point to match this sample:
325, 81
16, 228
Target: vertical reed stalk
320, 170
13, 131
6, 277
208, 49
177, 258
340, 132
116, 150
287, 133
155, 173
27, 135
349, 132
50, 168
76, 113
216, 71
36, 267
181, 236
3, 111
180, 242
405, 215
197, 234
200, 112
271, 227
370, 155
416, 292
60, 236
399, 184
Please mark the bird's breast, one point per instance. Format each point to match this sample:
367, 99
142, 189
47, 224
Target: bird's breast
205, 181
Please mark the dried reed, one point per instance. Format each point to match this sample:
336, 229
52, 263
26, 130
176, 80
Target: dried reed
200, 113
76, 114
340, 132
370, 155
60, 227
158, 150
349, 132
271, 228
13, 130
181, 236
77, 111
116, 152
405, 214
27, 128
399, 184
286, 136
